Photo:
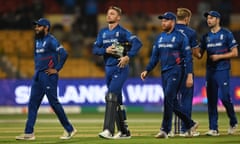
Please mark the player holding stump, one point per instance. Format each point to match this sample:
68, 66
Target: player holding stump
171, 49
110, 43
221, 46
45, 80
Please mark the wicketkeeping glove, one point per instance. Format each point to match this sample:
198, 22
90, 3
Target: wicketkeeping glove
121, 49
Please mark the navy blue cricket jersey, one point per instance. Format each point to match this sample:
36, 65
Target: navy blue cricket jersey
107, 37
171, 49
218, 43
47, 52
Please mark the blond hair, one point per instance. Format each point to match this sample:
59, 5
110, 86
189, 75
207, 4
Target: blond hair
182, 13
117, 9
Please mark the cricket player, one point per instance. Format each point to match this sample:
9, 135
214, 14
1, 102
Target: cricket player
171, 48
109, 43
186, 93
49, 58
221, 46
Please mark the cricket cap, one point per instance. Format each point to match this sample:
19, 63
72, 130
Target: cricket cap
168, 16
42, 22
213, 14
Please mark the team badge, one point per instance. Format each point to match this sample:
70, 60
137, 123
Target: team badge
221, 37
104, 35
117, 34
208, 39
173, 39
160, 40
44, 43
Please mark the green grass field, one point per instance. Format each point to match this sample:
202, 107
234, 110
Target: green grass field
143, 127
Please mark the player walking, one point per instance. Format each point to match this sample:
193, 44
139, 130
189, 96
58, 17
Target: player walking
45, 80
171, 48
186, 93
220, 45
108, 45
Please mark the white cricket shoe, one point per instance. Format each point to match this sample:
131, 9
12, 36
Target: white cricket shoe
212, 133
161, 134
121, 135
171, 134
232, 129
186, 134
68, 135
189, 132
26, 137
105, 134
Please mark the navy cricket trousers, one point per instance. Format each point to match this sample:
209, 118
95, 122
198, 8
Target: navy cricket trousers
44, 84
171, 81
115, 78
217, 84
185, 99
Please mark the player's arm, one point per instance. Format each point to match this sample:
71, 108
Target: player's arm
136, 45
233, 53
188, 61
152, 63
198, 52
98, 45
62, 57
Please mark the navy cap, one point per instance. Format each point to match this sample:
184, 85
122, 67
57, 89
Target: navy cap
213, 14
42, 22
168, 16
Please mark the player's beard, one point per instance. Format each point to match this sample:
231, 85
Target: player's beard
166, 28
40, 34
111, 22
210, 25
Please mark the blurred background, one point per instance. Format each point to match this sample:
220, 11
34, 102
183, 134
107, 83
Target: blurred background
75, 23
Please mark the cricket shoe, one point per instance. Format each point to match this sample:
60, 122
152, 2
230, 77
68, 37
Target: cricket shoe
68, 135
232, 129
121, 135
190, 132
161, 134
186, 134
26, 137
105, 134
171, 134
212, 133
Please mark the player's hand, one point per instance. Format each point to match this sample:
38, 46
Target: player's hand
111, 50
189, 81
215, 57
123, 61
144, 75
51, 71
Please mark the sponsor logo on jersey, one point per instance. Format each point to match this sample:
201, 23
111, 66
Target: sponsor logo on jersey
214, 44
165, 46
40, 50
110, 40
